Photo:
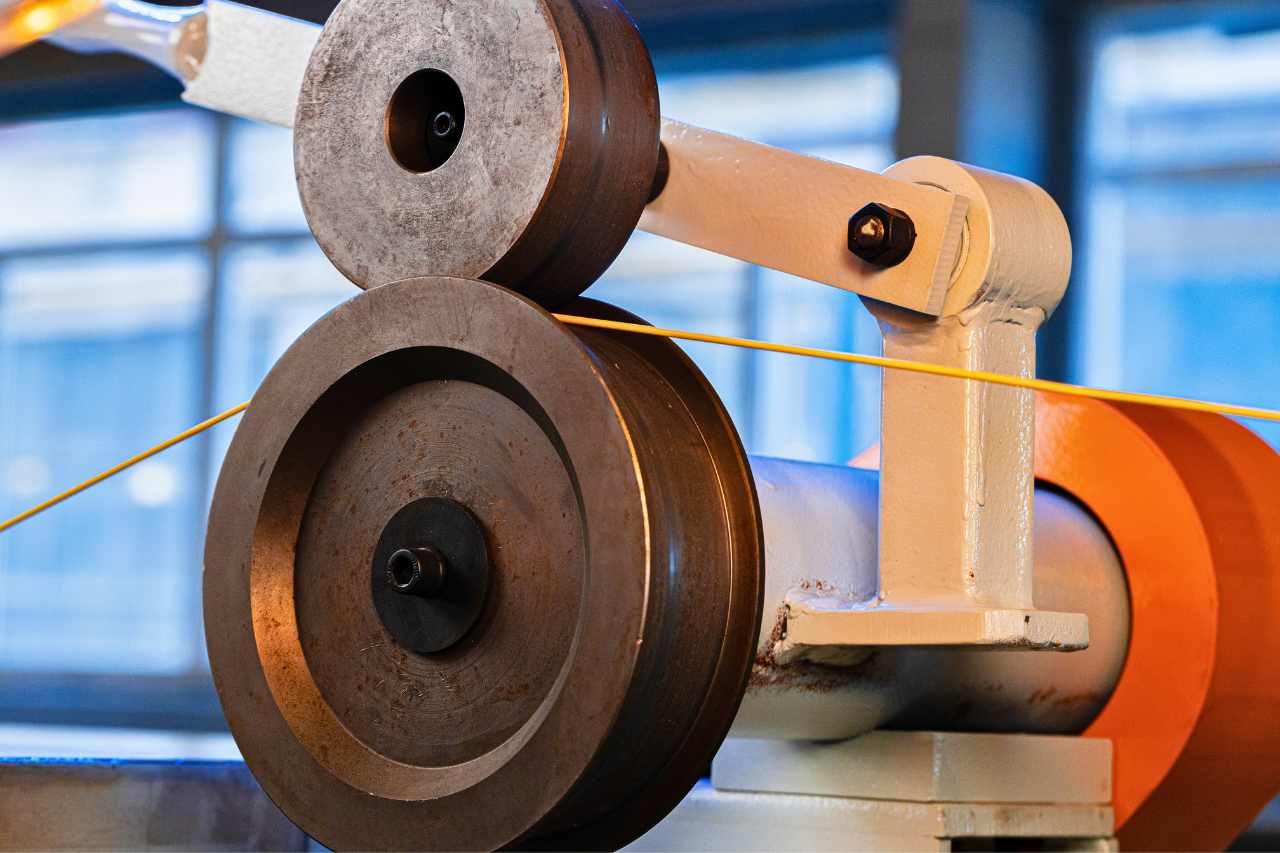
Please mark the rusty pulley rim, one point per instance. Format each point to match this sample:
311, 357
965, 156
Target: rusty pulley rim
549, 113
617, 588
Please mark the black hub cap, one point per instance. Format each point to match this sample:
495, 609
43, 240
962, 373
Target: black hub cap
430, 574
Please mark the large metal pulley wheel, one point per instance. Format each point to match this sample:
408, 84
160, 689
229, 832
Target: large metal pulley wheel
476, 579
510, 140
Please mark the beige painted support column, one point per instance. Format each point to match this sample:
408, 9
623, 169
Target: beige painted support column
957, 455
956, 508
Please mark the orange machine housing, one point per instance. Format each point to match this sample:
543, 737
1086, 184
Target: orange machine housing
1192, 503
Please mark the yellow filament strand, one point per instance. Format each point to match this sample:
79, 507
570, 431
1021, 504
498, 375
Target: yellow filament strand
936, 370
126, 464
744, 343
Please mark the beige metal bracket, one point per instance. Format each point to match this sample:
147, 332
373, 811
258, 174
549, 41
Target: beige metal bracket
924, 767
957, 456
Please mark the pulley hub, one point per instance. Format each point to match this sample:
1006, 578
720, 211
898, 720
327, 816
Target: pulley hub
430, 574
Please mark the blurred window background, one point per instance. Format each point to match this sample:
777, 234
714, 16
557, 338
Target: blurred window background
154, 262
1182, 202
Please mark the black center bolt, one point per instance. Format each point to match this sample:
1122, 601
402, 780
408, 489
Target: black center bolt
416, 571
444, 124
881, 235
429, 574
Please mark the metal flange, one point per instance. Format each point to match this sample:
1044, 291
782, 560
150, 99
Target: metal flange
623, 562
510, 140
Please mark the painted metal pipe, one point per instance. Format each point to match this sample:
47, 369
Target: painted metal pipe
820, 526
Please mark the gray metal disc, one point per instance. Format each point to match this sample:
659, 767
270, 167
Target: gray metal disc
553, 115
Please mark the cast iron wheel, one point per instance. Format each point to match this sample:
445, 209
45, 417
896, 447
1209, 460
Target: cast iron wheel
622, 564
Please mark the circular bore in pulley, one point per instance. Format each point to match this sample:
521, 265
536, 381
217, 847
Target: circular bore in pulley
623, 560
510, 140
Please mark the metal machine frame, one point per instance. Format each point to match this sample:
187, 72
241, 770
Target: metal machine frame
1169, 524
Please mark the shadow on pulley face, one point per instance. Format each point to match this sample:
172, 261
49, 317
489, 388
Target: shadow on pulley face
528, 166
425, 121
450, 563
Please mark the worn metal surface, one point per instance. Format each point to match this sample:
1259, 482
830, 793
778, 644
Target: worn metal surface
555, 163
820, 524
623, 532
138, 805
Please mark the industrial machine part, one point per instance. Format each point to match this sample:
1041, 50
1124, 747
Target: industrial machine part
622, 536
366, 117
956, 557
527, 165
246, 62
476, 578
820, 533
619, 532
1190, 501
612, 495
899, 790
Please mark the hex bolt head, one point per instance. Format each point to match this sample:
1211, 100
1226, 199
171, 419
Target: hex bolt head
881, 235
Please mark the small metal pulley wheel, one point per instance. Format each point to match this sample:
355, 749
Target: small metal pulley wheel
481, 579
510, 140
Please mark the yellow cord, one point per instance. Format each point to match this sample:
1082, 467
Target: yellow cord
744, 343
937, 370
128, 463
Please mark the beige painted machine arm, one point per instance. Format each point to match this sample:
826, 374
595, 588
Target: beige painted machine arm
790, 212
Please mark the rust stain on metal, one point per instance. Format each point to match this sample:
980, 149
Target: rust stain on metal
766, 658
809, 676
817, 585
1088, 697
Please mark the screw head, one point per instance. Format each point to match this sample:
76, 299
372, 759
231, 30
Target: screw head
881, 235
444, 124
416, 571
